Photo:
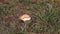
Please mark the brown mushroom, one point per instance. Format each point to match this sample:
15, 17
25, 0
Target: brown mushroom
24, 17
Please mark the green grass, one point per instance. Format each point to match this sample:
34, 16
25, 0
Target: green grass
7, 8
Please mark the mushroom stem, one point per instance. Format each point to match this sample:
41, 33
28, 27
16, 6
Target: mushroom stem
26, 27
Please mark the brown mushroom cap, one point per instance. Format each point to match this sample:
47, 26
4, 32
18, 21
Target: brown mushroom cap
24, 17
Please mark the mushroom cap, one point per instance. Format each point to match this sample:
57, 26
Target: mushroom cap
25, 17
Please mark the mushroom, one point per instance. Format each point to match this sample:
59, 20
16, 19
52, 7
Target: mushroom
25, 18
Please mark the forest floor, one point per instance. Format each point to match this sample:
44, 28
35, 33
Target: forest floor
45, 16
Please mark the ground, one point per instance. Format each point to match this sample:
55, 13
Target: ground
45, 16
